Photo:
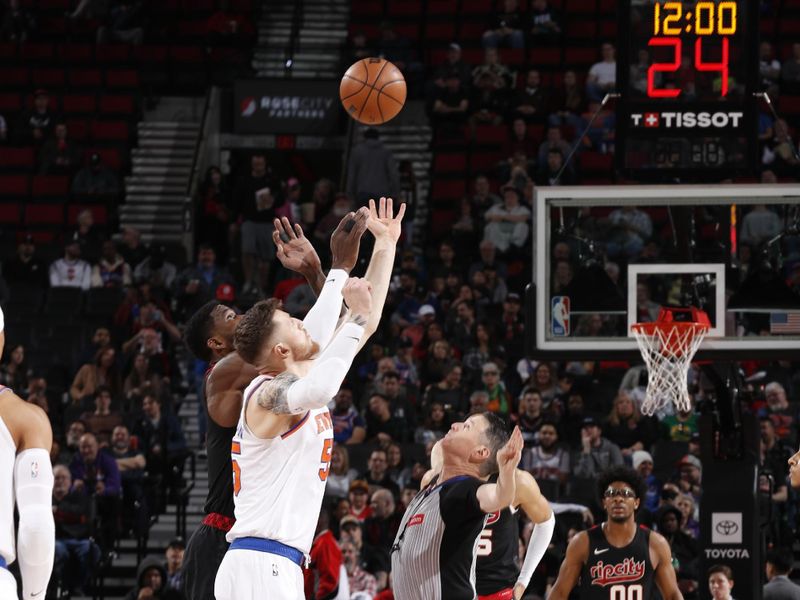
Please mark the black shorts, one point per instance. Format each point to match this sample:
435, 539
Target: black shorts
204, 553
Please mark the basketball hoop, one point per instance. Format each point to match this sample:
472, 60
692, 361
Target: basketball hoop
668, 346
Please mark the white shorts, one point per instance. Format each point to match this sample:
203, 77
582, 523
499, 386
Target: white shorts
253, 575
8, 586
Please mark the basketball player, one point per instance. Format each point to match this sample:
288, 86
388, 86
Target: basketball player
497, 576
794, 470
209, 336
26, 476
618, 559
281, 451
433, 555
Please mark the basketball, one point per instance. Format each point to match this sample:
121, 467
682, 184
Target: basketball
373, 91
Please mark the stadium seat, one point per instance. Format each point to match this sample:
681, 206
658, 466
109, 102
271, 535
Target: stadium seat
449, 163
79, 104
10, 103
15, 78
110, 131
64, 301
78, 129
117, 105
74, 54
476, 7
10, 213
110, 156
44, 215
122, 78
583, 57
403, 8
102, 302
442, 7
14, 185
31, 52
540, 57
8, 52
50, 185
17, 159
481, 162
444, 190
491, 134
440, 32
85, 78
113, 54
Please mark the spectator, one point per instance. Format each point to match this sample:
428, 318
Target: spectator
532, 101
553, 141
160, 436
214, 216
506, 28
3, 129
372, 560
257, 195
123, 23
17, 24
437, 421
545, 20
568, 103
377, 473
547, 461
396, 49
71, 271
769, 69
632, 228
399, 472
151, 580
324, 573
91, 376
94, 471
478, 402
720, 582
360, 581
132, 250
602, 75
95, 179
781, 152
25, 267
489, 100
381, 528
75, 431
14, 371
404, 363
75, 552
627, 427
197, 284
452, 66
89, 235
112, 271
780, 413
102, 420
372, 170
101, 338
483, 198
40, 121
499, 398
550, 173
488, 258
341, 475
690, 471
174, 562
449, 390
59, 155
759, 225
689, 524
141, 380
530, 416
684, 548
642, 462
348, 426
790, 72
359, 500
499, 77
508, 224
778, 566
131, 464
157, 271
227, 28
397, 395
597, 453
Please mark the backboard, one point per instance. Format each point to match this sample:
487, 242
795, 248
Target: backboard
607, 257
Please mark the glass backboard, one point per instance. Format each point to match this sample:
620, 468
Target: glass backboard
608, 257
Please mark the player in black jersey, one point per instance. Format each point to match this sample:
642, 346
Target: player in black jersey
209, 336
496, 574
618, 560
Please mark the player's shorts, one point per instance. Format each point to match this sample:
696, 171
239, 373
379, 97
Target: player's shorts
8, 585
254, 575
204, 553
257, 239
506, 594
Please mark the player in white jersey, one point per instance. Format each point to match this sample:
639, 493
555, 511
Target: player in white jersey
281, 452
27, 477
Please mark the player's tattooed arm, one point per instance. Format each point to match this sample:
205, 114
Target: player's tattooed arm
274, 396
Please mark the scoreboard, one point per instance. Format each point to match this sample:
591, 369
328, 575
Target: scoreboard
687, 73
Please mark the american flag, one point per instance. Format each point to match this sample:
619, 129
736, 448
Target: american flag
784, 322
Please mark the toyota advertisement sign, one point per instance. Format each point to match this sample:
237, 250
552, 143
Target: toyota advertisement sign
283, 106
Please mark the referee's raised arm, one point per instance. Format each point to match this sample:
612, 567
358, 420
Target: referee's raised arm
497, 496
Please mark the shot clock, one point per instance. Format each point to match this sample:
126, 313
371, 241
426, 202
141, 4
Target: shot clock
686, 73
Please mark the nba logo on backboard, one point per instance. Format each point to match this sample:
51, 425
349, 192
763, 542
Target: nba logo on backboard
559, 320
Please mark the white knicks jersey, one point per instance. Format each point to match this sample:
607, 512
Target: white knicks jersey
278, 483
8, 457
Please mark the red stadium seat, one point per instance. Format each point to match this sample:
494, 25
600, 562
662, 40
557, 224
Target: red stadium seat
476, 7
608, 29
404, 8
122, 78
150, 54
14, 185
110, 131
99, 212
17, 159
72, 54
242, 6
545, 56
10, 213
491, 134
50, 185
365, 8
113, 54
116, 105
192, 29
441, 32
79, 104
790, 105
582, 30
8, 52
584, 7
85, 78
445, 189
78, 129
14, 78
44, 214
186, 54
536, 132
513, 56
595, 162
36, 52
442, 220
408, 30
472, 31
581, 56
481, 162
109, 156
449, 163
10, 103
442, 7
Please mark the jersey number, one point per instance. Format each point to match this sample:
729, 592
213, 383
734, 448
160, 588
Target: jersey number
236, 448
325, 459
622, 592
485, 543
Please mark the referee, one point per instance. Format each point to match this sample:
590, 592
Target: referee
433, 556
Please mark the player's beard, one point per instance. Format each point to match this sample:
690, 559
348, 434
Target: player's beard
618, 519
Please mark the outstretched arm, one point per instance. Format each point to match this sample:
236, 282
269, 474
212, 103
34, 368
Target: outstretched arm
497, 496
535, 506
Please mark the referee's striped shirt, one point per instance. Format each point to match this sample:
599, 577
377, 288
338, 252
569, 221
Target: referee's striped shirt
433, 557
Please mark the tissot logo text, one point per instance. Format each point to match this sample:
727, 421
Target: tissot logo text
687, 120
628, 570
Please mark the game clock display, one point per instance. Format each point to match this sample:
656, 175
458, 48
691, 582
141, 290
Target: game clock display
686, 72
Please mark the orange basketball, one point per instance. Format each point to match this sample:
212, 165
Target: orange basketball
373, 91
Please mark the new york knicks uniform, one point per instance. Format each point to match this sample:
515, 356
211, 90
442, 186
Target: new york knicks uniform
8, 457
278, 485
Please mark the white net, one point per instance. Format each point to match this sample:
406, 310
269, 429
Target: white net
668, 349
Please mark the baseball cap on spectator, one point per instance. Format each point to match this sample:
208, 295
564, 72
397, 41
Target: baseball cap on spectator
639, 457
40, 92
454, 46
177, 543
348, 520
426, 309
73, 238
225, 293
513, 297
359, 485
590, 421
690, 460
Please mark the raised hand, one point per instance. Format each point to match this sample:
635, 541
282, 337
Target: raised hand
508, 456
382, 221
346, 239
357, 293
297, 254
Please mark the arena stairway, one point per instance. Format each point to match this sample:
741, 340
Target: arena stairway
313, 47
155, 192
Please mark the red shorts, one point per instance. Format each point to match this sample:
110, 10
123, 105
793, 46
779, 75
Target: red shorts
506, 594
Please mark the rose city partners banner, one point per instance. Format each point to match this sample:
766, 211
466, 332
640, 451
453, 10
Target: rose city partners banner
284, 106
